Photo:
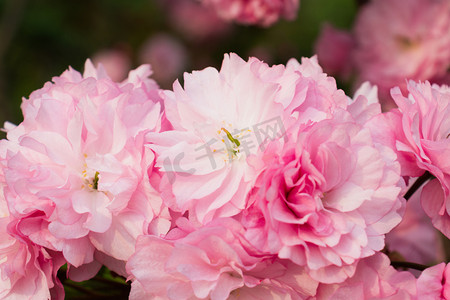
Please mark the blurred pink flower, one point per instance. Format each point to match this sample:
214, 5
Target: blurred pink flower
436, 205
222, 117
415, 238
254, 12
325, 198
116, 62
400, 40
334, 48
195, 21
212, 262
421, 129
374, 279
166, 55
76, 169
434, 283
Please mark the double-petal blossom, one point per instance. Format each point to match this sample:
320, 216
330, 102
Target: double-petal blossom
400, 40
221, 118
421, 130
327, 196
254, 12
213, 262
76, 169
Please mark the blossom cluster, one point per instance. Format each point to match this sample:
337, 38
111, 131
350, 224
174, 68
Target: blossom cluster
391, 41
248, 182
254, 12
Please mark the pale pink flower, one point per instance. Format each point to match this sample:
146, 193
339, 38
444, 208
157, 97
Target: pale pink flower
374, 279
116, 62
421, 130
415, 238
334, 48
27, 271
316, 92
325, 198
365, 105
166, 55
400, 40
222, 117
434, 283
212, 262
436, 205
76, 169
254, 12
195, 21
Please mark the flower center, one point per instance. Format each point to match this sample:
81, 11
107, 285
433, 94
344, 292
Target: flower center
94, 181
224, 142
232, 146
90, 177
406, 43
91, 183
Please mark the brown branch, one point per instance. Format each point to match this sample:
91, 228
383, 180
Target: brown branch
417, 184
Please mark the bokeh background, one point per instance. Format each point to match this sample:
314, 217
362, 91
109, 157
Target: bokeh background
39, 39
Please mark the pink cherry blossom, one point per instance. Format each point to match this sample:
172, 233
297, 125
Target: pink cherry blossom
421, 128
334, 48
221, 118
436, 205
195, 21
434, 283
325, 198
212, 262
254, 12
374, 279
403, 39
365, 107
166, 55
415, 238
76, 169
27, 271
116, 62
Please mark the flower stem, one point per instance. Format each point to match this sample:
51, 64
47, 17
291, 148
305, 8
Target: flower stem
417, 184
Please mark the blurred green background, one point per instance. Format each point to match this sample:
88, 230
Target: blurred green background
39, 39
